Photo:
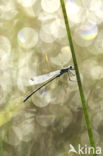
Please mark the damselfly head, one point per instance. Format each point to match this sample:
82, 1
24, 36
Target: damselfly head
71, 67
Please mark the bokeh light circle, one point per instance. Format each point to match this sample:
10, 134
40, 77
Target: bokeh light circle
26, 3
50, 6
27, 37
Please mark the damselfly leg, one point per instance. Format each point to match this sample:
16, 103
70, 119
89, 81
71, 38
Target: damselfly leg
71, 75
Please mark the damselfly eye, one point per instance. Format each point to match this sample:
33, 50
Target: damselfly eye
71, 67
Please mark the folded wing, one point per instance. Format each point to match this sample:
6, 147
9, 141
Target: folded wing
42, 78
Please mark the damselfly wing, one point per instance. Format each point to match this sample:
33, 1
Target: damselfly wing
42, 78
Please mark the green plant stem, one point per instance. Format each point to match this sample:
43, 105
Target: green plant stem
88, 124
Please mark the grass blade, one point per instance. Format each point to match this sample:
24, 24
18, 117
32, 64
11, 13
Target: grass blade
88, 124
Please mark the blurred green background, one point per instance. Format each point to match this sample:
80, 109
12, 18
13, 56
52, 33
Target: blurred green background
33, 42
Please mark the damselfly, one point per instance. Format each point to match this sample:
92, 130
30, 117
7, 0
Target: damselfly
50, 77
